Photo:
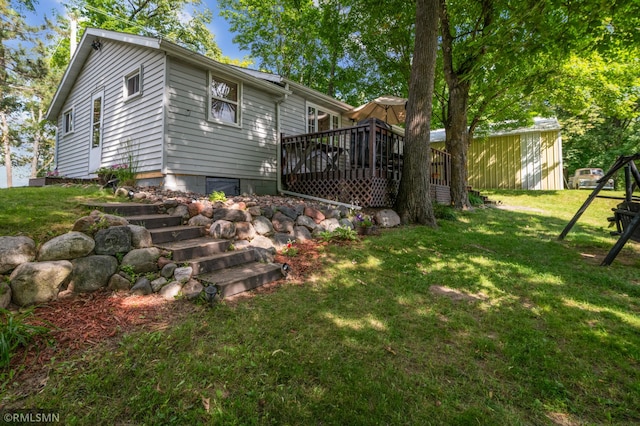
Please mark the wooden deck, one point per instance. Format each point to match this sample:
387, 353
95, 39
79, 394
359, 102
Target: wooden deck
359, 165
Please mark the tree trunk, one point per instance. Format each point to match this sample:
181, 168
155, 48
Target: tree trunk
457, 143
414, 203
6, 147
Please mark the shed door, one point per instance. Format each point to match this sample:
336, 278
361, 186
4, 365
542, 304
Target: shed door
531, 164
95, 143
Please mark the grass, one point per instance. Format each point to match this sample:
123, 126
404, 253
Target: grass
486, 320
45, 212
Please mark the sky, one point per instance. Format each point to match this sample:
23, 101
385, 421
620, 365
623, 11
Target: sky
218, 27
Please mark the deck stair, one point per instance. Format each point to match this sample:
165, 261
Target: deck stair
232, 272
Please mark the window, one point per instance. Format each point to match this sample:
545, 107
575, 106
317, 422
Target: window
224, 98
319, 120
67, 121
133, 84
96, 121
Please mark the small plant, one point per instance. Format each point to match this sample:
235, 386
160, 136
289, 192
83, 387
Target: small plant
128, 269
475, 200
217, 196
340, 233
444, 212
363, 221
119, 256
290, 250
15, 332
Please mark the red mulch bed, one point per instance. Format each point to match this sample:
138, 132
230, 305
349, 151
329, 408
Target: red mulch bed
81, 321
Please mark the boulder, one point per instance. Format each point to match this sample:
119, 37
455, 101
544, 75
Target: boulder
314, 214
5, 295
117, 282
85, 224
330, 224
158, 283
171, 290
245, 231
168, 270
307, 222
262, 226
38, 282
14, 251
142, 260
289, 212
301, 233
183, 274
140, 237
192, 289
281, 240
232, 215
142, 287
182, 211
108, 220
254, 211
387, 218
67, 246
282, 223
263, 242
265, 255
92, 272
200, 220
207, 212
223, 229
110, 241
346, 223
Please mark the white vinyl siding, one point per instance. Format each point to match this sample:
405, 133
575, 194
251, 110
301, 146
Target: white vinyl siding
198, 146
138, 121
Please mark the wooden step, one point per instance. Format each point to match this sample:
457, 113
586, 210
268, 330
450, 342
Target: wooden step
195, 247
175, 233
216, 262
242, 278
154, 221
126, 209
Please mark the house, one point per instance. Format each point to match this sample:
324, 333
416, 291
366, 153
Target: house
523, 158
192, 123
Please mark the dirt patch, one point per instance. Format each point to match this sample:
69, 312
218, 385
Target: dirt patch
457, 295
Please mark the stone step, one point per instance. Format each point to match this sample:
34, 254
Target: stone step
175, 233
216, 262
242, 278
154, 221
194, 248
126, 209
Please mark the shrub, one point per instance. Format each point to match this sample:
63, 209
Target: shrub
15, 332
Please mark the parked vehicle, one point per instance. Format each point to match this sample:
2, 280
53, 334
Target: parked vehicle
588, 179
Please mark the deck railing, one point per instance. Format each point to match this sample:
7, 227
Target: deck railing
371, 150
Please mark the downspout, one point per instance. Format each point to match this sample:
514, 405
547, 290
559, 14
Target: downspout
279, 187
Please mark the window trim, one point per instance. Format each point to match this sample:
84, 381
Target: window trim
237, 103
72, 112
125, 84
323, 109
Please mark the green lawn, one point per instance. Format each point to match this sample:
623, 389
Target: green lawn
485, 320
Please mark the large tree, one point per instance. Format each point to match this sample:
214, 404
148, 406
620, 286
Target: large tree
182, 21
414, 203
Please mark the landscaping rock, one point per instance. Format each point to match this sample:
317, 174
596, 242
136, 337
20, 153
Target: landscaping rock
5, 295
108, 220
266, 255
314, 214
110, 241
38, 282
168, 270
281, 240
142, 287
140, 237
223, 229
14, 251
170, 291
232, 215
200, 220
142, 260
307, 222
181, 211
282, 223
117, 283
183, 274
387, 218
67, 246
262, 226
158, 283
301, 233
330, 224
263, 242
245, 231
289, 212
254, 211
92, 272
192, 289
85, 224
